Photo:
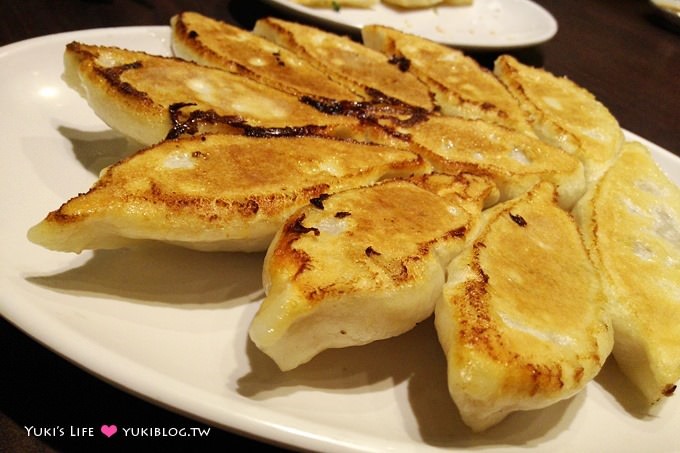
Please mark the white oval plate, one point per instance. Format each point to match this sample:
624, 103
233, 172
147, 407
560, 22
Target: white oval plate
484, 25
171, 324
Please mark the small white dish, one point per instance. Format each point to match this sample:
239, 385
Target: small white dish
484, 25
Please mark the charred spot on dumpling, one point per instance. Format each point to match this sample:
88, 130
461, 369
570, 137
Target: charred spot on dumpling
114, 76
298, 228
370, 251
279, 61
317, 202
400, 62
669, 390
518, 219
252, 206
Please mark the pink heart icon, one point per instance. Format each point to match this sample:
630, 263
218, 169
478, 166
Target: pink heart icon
109, 430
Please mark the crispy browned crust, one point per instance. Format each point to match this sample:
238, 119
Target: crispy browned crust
288, 256
563, 114
190, 31
215, 43
513, 160
523, 319
356, 266
111, 97
222, 192
419, 222
462, 87
479, 330
472, 192
363, 70
630, 220
149, 97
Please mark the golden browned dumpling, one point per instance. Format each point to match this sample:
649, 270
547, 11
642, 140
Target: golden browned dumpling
515, 161
365, 71
215, 192
564, 114
522, 321
215, 43
361, 265
146, 97
461, 86
631, 222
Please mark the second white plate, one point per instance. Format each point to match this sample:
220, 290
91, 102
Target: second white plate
486, 24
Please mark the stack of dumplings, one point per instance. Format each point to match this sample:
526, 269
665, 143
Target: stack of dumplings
390, 181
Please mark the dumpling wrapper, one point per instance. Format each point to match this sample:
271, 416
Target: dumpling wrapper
522, 321
361, 265
631, 223
215, 192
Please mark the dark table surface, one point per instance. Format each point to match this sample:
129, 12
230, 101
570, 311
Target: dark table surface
621, 50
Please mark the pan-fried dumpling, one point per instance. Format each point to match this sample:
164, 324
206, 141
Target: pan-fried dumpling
359, 266
522, 321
